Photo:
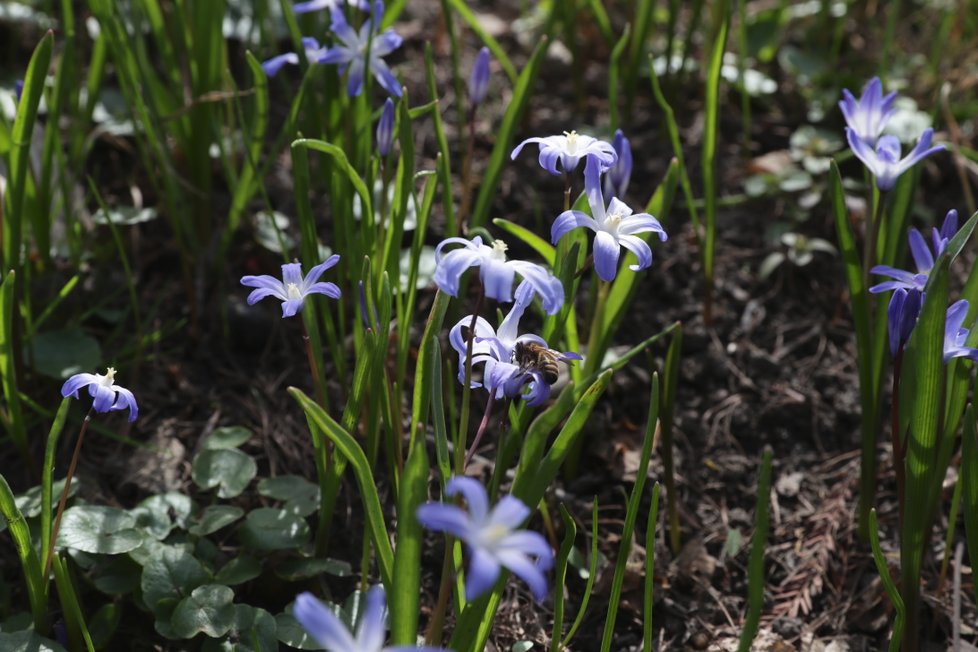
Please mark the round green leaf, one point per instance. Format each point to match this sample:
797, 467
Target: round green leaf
168, 577
227, 437
119, 576
213, 518
268, 528
229, 470
99, 530
253, 630
294, 570
207, 610
289, 631
59, 354
153, 515
29, 641
301, 496
238, 571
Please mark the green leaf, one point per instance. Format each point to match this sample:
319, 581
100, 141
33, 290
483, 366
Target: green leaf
269, 528
405, 601
62, 353
27, 641
119, 576
301, 496
289, 631
103, 625
252, 630
153, 514
238, 571
294, 570
213, 518
168, 577
969, 476
538, 244
208, 610
228, 469
99, 530
227, 437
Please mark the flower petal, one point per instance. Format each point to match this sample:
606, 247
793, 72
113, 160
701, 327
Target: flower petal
606, 250
568, 221
474, 494
275, 64
442, 517
920, 252
509, 512
372, 631
382, 73
638, 247
526, 570
482, 573
125, 399
448, 271
76, 382
642, 223
328, 630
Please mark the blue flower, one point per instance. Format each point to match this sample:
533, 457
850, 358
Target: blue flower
385, 128
902, 316
479, 79
568, 150
496, 351
616, 180
292, 290
312, 50
955, 335
922, 257
868, 116
330, 632
363, 50
614, 227
884, 162
497, 273
491, 537
108, 396
319, 5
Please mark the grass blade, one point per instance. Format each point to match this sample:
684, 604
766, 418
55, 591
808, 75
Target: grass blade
755, 567
969, 476
405, 601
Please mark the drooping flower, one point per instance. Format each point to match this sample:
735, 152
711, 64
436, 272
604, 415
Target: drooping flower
106, 394
479, 79
568, 150
313, 50
385, 128
293, 289
902, 316
319, 5
618, 175
496, 273
868, 115
955, 335
614, 227
884, 162
496, 350
922, 257
330, 632
491, 537
362, 51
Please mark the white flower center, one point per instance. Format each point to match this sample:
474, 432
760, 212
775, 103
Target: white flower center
499, 250
571, 139
108, 379
293, 292
613, 221
493, 534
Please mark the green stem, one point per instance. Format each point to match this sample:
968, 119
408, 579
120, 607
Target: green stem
64, 494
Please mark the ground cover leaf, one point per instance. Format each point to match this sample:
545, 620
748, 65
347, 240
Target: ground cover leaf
270, 528
228, 469
99, 530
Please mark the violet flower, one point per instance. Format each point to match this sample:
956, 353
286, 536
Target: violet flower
363, 50
479, 79
868, 115
385, 129
496, 351
954, 335
884, 162
922, 257
293, 289
614, 227
618, 175
330, 632
106, 394
568, 150
491, 537
319, 5
313, 51
496, 273
902, 316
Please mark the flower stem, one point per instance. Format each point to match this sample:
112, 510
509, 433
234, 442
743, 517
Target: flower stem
64, 494
483, 426
463, 424
466, 202
896, 435
436, 625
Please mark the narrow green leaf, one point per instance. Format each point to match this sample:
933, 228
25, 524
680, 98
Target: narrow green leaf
711, 131
528, 237
405, 601
969, 476
884, 572
755, 566
560, 576
20, 533
591, 576
650, 568
497, 50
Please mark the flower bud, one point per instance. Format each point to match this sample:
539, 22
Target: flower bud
618, 175
385, 128
479, 79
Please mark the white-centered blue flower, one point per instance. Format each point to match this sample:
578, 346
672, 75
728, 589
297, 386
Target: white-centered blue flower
360, 51
614, 227
496, 273
884, 162
868, 115
568, 150
955, 335
492, 536
293, 289
330, 632
313, 51
495, 351
106, 394
922, 257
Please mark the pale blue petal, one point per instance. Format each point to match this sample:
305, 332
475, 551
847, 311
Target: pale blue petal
606, 250
329, 289
441, 517
642, 223
76, 382
526, 570
474, 494
104, 397
125, 400
322, 624
382, 73
497, 278
482, 573
568, 221
638, 247
509, 512
372, 631
291, 307
920, 252
275, 64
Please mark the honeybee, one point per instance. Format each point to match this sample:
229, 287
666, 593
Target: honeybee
533, 356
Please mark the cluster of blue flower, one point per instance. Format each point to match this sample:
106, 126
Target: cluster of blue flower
866, 119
